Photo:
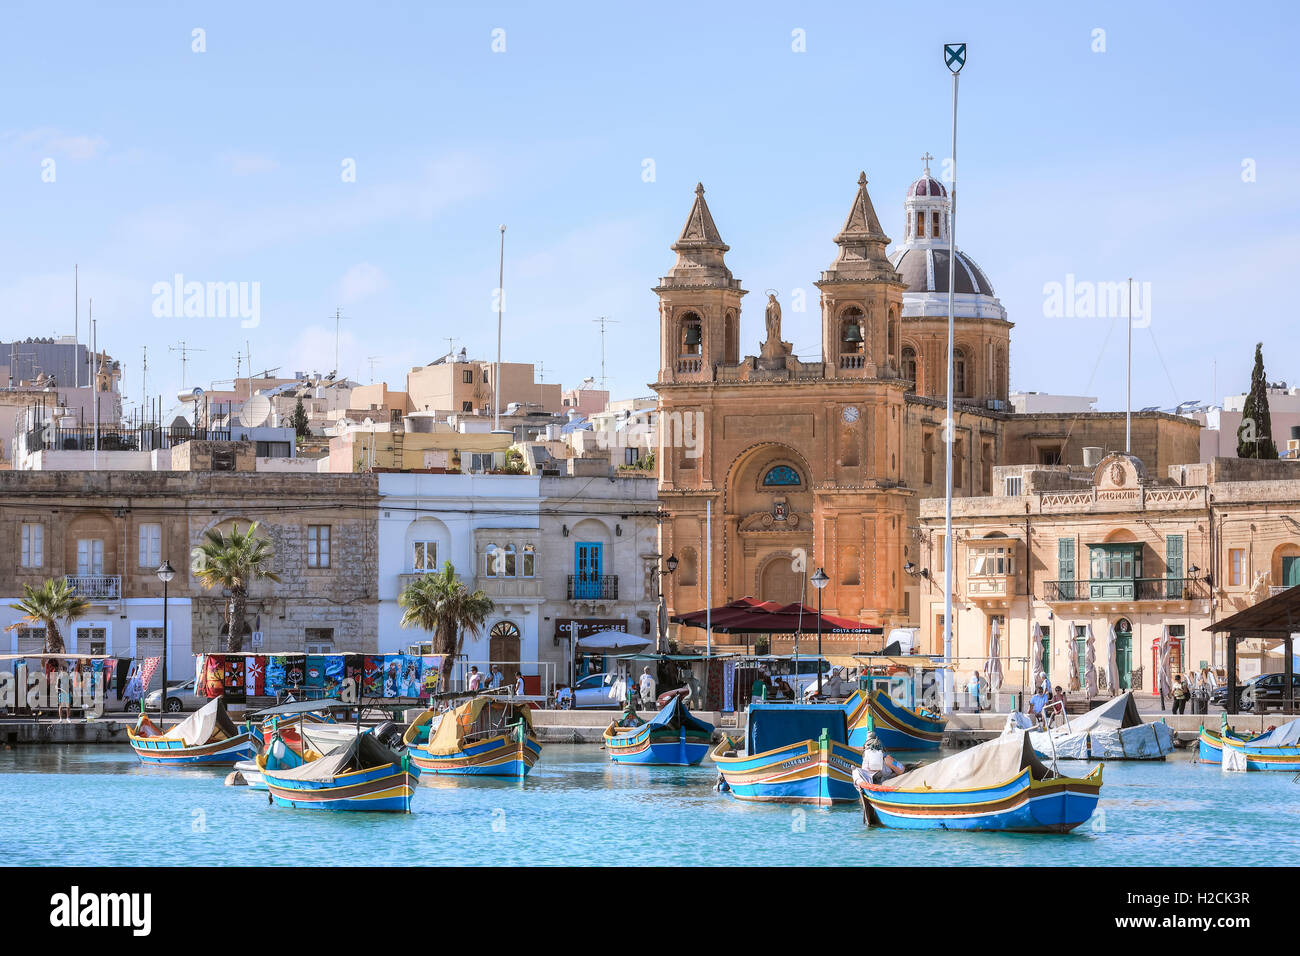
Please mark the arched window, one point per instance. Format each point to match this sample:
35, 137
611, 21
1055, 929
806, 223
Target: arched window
851, 337
493, 561
781, 475
959, 371
509, 564
730, 340
530, 561
920, 224
909, 365
692, 334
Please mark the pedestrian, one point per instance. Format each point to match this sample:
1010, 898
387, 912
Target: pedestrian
497, 678
1181, 692
973, 688
519, 684
648, 685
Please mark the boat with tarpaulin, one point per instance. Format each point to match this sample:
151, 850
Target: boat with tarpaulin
361, 774
290, 721
485, 736
206, 738
791, 753
673, 737
1210, 743
1113, 731
892, 697
1278, 749
1000, 784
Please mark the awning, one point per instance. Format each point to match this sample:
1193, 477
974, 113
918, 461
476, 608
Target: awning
748, 616
603, 641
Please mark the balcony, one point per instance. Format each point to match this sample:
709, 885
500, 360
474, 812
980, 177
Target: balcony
853, 361
96, 587
1125, 590
602, 588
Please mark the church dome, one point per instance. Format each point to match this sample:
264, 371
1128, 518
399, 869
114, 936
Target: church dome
925, 269
926, 186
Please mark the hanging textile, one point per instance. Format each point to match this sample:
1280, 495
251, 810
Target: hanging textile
335, 671
255, 676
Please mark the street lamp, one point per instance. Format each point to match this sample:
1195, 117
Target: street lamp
662, 645
165, 573
819, 581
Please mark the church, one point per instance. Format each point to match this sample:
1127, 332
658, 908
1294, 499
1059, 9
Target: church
823, 464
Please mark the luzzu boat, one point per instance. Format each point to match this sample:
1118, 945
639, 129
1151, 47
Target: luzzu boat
1279, 749
674, 737
206, 738
997, 785
897, 727
1112, 731
484, 736
362, 774
793, 753
1210, 744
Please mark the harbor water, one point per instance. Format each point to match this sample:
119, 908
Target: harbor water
97, 805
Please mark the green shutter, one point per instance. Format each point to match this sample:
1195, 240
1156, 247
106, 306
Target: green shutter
1065, 559
1174, 556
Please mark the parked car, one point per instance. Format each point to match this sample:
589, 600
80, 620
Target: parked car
593, 691
1266, 688
180, 697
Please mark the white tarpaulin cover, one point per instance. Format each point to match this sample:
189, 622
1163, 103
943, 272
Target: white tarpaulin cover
198, 727
985, 765
1233, 760
1288, 735
1113, 731
361, 753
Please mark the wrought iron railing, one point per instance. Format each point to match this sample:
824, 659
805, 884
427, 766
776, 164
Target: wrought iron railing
1126, 589
601, 588
102, 587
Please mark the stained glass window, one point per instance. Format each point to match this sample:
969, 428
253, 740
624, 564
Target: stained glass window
781, 475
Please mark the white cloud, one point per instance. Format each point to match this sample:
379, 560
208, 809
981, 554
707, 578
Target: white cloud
48, 141
360, 281
247, 164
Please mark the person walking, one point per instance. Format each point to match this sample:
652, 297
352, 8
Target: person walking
974, 689
1180, 694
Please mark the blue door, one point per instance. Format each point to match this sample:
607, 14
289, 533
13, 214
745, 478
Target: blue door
586, 567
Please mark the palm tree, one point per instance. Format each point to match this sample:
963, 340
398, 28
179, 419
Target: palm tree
439, 602
44, 606
234, 561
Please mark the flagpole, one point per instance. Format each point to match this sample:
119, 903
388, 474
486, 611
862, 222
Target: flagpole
1128, 378
955, 59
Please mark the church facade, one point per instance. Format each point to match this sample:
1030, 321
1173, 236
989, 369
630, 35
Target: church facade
823, 464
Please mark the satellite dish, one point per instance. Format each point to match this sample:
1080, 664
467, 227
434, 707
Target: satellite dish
190, 395
256, 411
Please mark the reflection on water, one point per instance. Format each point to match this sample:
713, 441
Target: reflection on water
99, 805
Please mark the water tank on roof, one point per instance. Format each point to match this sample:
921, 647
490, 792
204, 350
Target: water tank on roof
1092, 456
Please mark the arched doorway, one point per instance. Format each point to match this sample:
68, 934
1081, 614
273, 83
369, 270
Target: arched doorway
1124, 652
503, 646
778, 581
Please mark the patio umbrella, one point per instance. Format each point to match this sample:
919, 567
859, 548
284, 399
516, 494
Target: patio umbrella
1036, 653
1112, 665
993, 666
1074, 664
1090, 664
1165, 676
607, 642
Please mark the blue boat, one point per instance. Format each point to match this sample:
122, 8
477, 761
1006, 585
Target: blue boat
793, 753
485, 736
206, 738
897, 727
1278, 749
998, 785
363, 774
674, 737
1210, 744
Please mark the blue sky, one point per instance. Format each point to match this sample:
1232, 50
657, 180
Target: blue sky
225, 166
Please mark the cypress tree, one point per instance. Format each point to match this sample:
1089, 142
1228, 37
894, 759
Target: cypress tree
299, 420
1255, 435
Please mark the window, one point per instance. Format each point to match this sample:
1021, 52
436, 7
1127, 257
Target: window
319, 640
1115, 562
959, 372
985, 561
467, 406
1236, 566
274, 449
318, 546
940, 553
425, 556
1012, 485
33, 546
90, 556
150, 545
530, 561
92, 640
1049, 455
509, 569
934, 225
480, 461
920, 225
1065, 559
493, 561
1174, 557
927, 456
467, 376
781, 475
909, 365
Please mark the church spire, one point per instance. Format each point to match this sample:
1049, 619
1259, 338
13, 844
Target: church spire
700, 250
862, 242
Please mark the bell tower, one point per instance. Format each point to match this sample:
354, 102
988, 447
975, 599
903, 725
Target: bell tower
861, 298
699, 303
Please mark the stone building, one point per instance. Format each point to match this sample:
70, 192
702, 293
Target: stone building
107, 532
1115, 547
809, 464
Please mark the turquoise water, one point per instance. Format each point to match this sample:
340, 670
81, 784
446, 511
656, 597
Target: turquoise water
99, 806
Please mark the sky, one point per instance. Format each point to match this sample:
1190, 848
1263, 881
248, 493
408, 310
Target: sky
141, 141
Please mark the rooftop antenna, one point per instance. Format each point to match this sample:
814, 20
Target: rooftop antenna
602, 322
76, 327
338, 315
372, 359
496, 374
185, 351
144, 374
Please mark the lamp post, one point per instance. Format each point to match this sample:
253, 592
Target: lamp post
165, 573
662, 645
819, 581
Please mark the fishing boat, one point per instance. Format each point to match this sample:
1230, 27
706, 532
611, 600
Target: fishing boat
897, 727
1210, 744
485, 736
294, 738
362, 774
1112, 731
792, 753
206, 738
998, 785
674, 737
1279, 749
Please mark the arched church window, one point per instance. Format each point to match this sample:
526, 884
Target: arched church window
730, 340
781, 475
920, 225
934, 225
851, 330
909, 365
692, 334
